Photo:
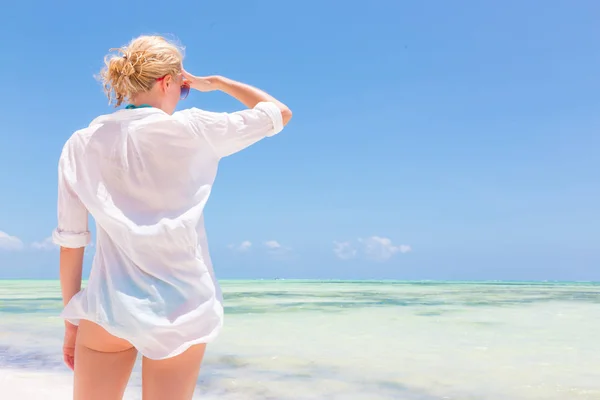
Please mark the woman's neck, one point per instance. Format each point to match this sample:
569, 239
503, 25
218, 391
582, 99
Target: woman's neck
146, 100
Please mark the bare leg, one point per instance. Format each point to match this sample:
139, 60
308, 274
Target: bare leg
172, 378
103, 364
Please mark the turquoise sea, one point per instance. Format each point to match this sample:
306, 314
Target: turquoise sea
352, 340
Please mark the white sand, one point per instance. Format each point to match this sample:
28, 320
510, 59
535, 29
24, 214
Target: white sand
18, 384
25, 385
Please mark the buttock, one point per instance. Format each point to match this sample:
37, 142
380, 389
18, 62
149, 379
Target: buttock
95, 337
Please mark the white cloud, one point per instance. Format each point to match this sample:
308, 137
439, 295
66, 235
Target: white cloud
45, 244
10, 243
381, 248
244, 246
344, 250
404, 248
375, 248
275, 248
272, 244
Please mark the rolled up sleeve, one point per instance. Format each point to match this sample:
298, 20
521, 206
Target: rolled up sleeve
274, 114
228, 133
72, 228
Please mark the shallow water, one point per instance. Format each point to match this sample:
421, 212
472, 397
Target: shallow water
354, 340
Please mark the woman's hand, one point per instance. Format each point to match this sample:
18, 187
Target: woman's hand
69, 345
202, 83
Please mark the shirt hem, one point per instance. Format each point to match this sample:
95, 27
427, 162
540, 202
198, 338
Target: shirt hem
174, 353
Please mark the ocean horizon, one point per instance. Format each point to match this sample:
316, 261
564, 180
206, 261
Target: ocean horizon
351, 280
351, 340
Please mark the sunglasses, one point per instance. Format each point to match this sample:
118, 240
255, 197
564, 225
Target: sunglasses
184, 88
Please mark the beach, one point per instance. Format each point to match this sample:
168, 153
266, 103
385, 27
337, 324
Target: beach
351, 340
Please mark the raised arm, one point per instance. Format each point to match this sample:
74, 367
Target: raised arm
246, 94
228, 133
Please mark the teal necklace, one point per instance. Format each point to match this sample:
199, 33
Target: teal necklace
132, 106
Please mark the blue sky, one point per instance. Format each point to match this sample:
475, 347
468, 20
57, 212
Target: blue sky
430, 140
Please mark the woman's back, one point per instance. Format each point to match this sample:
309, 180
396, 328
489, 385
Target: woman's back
138, 171
145, 176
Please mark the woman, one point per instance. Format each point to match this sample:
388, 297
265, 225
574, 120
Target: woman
145, 173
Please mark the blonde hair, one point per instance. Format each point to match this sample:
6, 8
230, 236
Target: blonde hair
136, 67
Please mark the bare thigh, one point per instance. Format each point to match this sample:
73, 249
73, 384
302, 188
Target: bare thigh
103, 364
172, 378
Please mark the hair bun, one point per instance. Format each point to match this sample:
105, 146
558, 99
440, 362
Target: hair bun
127, 69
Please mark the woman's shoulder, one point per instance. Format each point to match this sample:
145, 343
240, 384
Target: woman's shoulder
198, 115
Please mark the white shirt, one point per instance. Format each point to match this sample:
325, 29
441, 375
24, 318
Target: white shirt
145, 176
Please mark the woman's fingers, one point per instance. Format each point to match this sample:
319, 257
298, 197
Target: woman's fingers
69, 361
187, 75
69, 356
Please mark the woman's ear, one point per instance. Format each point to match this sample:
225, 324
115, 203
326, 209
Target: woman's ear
166, 82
